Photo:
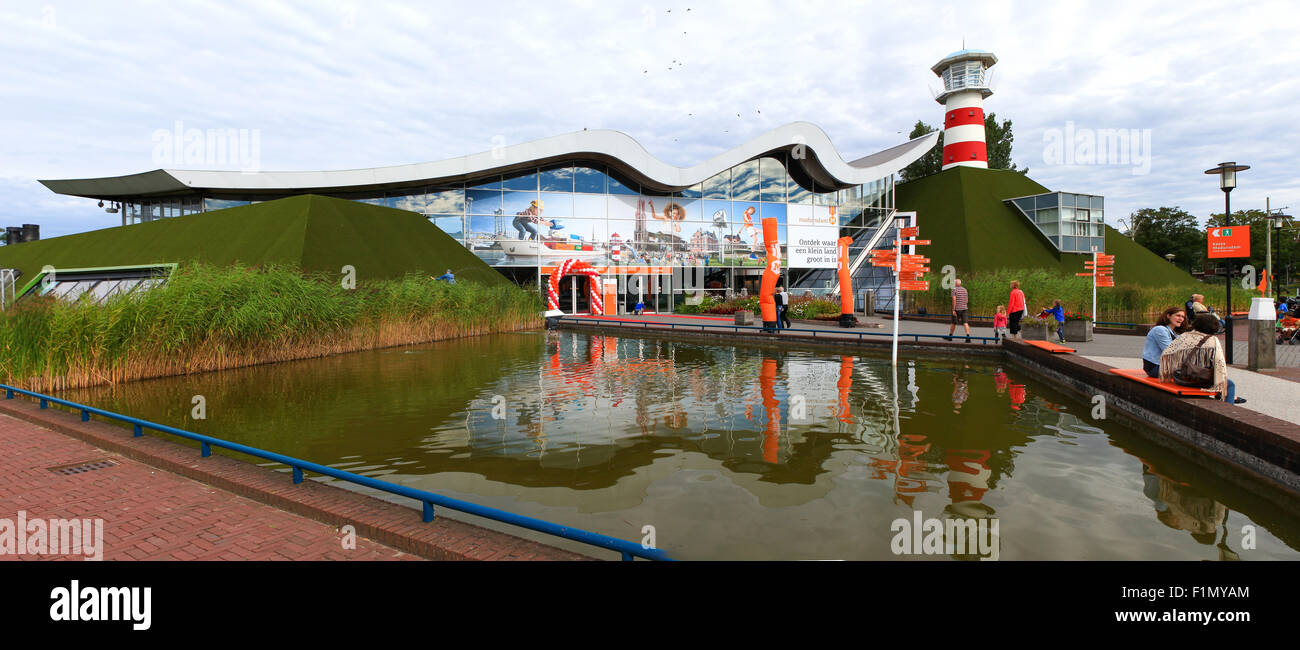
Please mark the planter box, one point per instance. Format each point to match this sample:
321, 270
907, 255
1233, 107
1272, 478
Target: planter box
1078, 331
1033, 331
744, 317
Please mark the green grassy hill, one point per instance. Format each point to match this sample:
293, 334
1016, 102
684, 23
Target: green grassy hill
962, 211
312, 233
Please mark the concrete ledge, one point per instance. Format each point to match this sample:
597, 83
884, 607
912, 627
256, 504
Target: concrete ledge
1264, 446
833, 339
387, 523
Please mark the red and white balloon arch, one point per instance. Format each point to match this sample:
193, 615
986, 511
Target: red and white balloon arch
576, 267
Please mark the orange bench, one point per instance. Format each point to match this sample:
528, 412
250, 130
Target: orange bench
1054, 348
1139, 375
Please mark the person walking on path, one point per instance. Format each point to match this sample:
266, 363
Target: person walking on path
1059, 313
778, 297
785, 307
1000, 323
1159, 337
960, 300
1201, 348
1016, 309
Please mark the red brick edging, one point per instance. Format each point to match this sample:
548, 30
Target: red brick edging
387, 523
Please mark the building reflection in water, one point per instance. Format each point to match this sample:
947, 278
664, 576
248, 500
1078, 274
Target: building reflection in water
782, 414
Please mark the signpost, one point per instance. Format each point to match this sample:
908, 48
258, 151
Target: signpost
1229, 242
908, 270
1233, 241
1099, 269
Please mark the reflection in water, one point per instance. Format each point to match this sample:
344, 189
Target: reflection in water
732, 452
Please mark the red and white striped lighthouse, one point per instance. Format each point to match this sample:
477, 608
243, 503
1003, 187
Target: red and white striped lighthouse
965, 85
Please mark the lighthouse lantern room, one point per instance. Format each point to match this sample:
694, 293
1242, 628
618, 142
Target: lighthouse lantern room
965, 85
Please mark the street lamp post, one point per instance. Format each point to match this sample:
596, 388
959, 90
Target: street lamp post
1227, 172
1276, 221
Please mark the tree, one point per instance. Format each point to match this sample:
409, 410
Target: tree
997, 137
1170, 230
928, 164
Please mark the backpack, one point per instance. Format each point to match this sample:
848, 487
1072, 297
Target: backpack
1192, 375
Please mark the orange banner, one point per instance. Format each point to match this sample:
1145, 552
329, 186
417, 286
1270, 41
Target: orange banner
771, 272
846, 281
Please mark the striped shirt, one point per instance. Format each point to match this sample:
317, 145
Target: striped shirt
959, 298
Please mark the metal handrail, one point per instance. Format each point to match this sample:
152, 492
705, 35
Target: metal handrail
629, 550
916, 338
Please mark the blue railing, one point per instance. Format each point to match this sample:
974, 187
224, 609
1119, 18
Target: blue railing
629, 550
828, 334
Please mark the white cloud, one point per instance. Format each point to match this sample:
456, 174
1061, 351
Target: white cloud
358, 84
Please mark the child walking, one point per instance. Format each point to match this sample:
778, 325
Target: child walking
1059, 313
1000, 322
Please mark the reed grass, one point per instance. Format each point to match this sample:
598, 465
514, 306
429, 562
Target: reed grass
209, 318
1125, 302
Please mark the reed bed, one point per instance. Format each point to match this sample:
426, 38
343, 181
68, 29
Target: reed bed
211, 318
1127, 301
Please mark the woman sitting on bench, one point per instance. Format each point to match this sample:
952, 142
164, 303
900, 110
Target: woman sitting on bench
1161, 335
1200, 348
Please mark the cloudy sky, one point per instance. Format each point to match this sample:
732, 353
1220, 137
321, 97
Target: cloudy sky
337, 85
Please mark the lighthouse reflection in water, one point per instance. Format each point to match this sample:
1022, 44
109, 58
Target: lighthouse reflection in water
736, 452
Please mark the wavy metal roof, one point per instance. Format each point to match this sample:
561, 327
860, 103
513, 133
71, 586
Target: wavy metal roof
813, 158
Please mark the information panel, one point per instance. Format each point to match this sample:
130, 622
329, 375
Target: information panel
813, 233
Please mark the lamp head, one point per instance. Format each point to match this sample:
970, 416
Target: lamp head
1227, 172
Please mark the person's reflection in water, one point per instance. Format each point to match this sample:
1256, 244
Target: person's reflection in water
960, 390
1180, 507
968, 480
1000, 381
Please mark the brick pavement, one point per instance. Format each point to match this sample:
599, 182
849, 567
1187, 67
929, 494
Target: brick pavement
162, 501
155, 515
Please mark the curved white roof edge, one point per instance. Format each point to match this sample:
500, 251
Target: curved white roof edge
820, 162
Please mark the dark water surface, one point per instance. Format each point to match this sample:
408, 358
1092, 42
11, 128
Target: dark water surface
733, 452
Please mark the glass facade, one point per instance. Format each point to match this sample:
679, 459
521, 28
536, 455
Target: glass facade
541, 216
528, 221
1074, 223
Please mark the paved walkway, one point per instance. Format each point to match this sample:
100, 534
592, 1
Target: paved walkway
150, 514
1272, 396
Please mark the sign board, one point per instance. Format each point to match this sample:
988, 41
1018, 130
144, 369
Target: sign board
1230, 241
812, 239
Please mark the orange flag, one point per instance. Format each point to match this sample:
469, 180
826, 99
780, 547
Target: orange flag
1263, 283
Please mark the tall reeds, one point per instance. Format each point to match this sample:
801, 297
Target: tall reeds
209, 318
1128, 301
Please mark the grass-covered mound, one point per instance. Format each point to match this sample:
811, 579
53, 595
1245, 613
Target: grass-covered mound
207, 318
316, 234
962, 211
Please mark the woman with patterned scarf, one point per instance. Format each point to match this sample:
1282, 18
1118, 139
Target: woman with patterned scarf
1201, 348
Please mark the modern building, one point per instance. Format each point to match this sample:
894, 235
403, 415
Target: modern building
597, 196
